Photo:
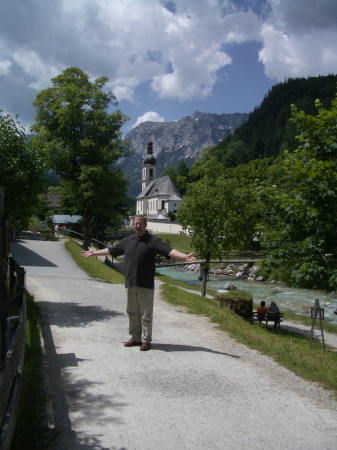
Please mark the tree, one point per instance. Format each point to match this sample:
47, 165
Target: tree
22, 167
83, 142
219, 212
179, 176
299, 228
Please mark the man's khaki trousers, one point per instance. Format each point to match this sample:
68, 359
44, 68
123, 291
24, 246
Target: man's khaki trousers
140, 312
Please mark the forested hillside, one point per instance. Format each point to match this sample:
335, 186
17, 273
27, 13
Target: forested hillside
253, 185
268, 132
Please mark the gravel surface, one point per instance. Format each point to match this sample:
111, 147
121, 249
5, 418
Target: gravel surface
196, 389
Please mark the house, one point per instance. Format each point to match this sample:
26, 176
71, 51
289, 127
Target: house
159, 196
52, 201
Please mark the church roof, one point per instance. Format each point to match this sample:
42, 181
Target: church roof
163, 187
174, 197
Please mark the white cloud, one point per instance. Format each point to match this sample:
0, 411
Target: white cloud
150, 116
5, 66
299, 39
176, 50
130, 41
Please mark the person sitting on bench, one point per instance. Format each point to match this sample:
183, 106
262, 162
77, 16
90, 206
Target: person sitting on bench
261, 312
274, 314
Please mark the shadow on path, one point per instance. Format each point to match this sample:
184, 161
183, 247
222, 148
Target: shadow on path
26, 257
187, 348
65, 314
72, 390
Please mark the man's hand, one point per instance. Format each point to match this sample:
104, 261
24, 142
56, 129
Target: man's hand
87, 253
190, 258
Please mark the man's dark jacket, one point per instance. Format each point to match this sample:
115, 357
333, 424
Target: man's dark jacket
140, 254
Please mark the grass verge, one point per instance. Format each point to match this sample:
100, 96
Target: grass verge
100, 272
181, 243
31, 431
291, 350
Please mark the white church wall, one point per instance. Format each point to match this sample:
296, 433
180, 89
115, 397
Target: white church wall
158, 226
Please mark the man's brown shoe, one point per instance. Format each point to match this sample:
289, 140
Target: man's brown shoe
145, 346
132, 343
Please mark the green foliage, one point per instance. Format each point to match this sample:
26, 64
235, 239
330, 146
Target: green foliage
172, 216
218, 206
220, 212
22, 167
83, 143
299, 227
179, 176
237, 294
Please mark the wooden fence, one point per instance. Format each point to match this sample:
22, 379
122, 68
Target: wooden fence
12, 334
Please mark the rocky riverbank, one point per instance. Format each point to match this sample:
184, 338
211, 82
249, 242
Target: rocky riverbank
244, 271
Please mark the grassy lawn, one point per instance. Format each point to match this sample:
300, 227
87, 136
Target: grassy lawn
181, 243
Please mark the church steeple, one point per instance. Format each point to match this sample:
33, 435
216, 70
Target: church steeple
149, 169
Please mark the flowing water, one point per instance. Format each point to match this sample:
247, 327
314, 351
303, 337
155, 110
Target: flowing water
296, 300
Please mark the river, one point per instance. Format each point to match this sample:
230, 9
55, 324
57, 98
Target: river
296, 300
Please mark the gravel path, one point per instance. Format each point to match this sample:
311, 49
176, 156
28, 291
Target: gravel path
196, 388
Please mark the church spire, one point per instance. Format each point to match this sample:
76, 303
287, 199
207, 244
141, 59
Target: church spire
149, 157
149, 170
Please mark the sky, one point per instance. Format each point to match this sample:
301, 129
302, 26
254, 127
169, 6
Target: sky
165, 59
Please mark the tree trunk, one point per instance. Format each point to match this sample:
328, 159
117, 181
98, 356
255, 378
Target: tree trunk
86, 228
205, 269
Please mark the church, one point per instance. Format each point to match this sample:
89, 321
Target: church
159, 196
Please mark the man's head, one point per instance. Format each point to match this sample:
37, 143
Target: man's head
263, 303
139, 224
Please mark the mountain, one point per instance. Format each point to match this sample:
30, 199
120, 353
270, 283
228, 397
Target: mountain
173, 141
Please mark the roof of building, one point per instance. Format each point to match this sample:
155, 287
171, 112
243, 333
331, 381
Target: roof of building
64, 218
52, 200
159, 217
163, 187
174, 197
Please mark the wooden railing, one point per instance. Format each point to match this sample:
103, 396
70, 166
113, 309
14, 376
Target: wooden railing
246, 256
13, 336
12, 332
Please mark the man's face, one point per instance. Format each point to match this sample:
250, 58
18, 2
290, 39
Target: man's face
139, 226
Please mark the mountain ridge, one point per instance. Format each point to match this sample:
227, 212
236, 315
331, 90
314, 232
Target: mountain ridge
172, 141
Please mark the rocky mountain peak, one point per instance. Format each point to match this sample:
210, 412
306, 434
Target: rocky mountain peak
176, 140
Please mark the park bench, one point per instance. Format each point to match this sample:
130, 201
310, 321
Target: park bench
261, 317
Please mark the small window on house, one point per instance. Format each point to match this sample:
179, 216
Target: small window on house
162, 204
151, 173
